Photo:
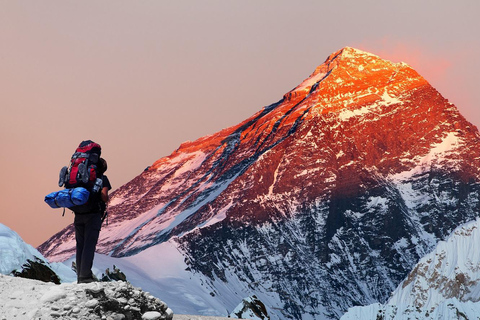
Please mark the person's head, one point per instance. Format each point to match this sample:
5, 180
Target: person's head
102, 166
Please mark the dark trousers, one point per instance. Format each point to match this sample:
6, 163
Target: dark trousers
87, 230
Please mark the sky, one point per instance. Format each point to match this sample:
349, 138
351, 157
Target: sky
141, 77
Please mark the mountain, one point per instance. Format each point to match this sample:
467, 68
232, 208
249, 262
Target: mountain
20, 259
445, 284
322, 201
14, 251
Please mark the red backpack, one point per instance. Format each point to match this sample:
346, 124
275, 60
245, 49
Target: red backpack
83, 167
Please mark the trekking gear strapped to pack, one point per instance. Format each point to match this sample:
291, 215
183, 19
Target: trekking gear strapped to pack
67, 198
82, 181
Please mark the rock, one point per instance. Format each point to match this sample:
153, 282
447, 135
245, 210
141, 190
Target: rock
169, 314
117, 316
37, 270
122, 300
92, 303
251, 308
151, 315
53, 295
97, 292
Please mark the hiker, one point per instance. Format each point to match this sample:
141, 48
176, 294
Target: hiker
87, 229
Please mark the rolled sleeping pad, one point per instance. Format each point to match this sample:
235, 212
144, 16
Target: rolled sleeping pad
67, 198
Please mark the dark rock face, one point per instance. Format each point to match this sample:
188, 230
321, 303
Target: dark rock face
326, 198
251, 307
37, 270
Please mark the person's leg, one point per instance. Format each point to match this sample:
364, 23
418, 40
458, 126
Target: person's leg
92, 231
80, 240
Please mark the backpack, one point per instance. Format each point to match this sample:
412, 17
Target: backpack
82, 181
83, 167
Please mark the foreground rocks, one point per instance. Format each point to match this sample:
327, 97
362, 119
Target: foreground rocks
116, 300
251, 308
120, 300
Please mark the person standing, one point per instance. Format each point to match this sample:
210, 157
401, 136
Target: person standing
87, 228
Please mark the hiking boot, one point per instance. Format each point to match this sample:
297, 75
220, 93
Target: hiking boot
86, 280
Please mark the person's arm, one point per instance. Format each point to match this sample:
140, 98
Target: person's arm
104, 194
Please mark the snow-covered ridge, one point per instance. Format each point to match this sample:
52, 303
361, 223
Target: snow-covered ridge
14, 253
445, 284
452, 270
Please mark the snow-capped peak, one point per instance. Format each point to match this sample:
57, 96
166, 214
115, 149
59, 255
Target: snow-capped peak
445, 284
450, 271
322, 186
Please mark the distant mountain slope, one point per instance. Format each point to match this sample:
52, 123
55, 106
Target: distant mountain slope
445, 284
22, 260
317, 203
14, 252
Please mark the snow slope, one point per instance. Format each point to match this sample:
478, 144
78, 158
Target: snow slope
445, 284
14, 253
162, 271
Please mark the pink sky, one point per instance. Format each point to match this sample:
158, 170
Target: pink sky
141, 77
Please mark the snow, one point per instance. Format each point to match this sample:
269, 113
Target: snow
215, 191
457, 257
249, 313
219, 216
163, 218
13, 250
14, 253
275, 175
444, 283
389, 99
437, 153
353, 53
384, 101
192, 161
308, 83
